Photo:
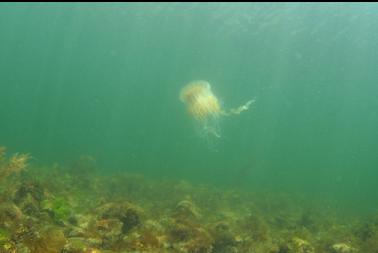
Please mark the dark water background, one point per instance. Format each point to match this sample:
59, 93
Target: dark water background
103, 79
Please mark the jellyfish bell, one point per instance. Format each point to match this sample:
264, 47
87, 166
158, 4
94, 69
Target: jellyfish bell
200, 101
203, 106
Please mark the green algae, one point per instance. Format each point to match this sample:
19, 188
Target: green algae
58, 207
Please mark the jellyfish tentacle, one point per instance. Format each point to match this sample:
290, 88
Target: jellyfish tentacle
240, 109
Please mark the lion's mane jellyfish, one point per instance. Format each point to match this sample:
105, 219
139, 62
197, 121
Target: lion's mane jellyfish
204, 107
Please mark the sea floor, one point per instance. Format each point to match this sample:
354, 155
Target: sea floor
76, 209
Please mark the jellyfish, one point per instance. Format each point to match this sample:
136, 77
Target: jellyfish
204, 107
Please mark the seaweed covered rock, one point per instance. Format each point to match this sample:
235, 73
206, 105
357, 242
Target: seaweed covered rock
10, 216
308, 220
29, 188
255, 226
58, 208
6, 244
187, 236
150, 237
47, 240
342, 248
130, 215
110, 231
224, 240
186, 209
371, 243
144, 240
79, 245
298, 245
367, 229
28, 197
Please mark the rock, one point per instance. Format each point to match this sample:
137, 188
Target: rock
187, 209
224, 240
10, 215
298, 245
29, 189
76, 245
342, 248
47, 240
128, 214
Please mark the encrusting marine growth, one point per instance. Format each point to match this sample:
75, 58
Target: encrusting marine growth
78, 209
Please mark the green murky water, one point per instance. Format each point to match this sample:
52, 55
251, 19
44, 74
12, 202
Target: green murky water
104, 80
